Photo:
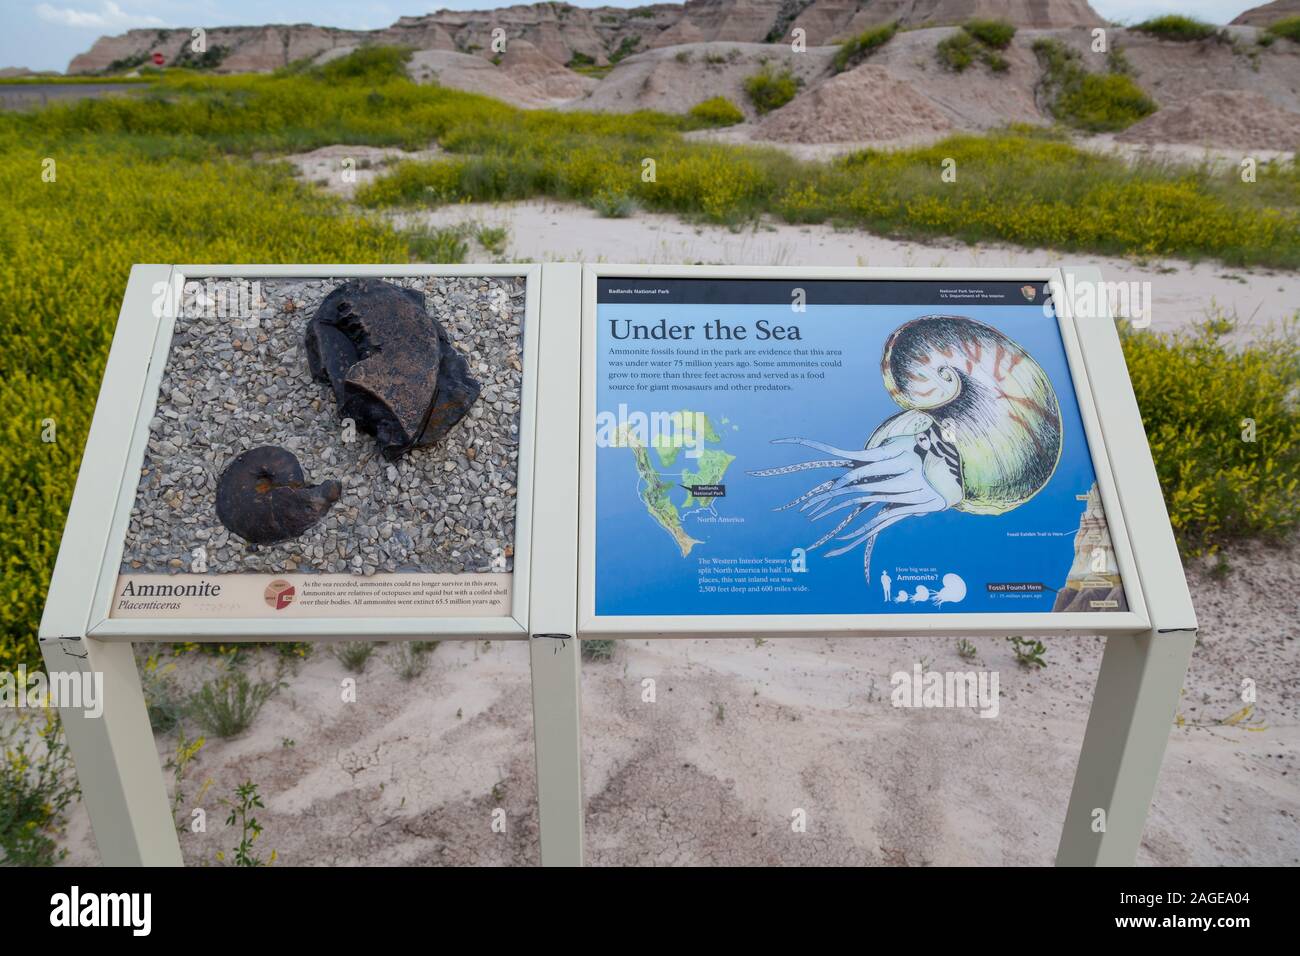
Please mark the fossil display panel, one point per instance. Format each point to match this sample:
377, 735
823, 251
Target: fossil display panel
337, 447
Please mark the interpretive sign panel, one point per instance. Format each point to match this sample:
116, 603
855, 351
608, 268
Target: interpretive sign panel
909, 446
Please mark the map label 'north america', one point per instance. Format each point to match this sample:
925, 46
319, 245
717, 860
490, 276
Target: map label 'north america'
690, 435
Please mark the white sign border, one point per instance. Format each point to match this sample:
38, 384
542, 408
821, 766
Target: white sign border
133, 432
592, 625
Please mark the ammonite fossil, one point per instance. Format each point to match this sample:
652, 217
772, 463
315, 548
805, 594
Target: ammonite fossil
263, 497
980, 433
391, 365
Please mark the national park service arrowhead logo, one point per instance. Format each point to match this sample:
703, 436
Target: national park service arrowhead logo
279, 594
1029, 292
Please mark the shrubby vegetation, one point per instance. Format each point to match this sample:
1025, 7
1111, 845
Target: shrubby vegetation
1224, 427
770, 89
1287, 28
718, 111
855, 50
1179, 28
996, 34
1096, 102
977, 40
37, 784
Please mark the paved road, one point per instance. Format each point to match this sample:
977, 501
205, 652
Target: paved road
18, 96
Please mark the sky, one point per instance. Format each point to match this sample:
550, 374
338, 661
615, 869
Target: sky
46, 34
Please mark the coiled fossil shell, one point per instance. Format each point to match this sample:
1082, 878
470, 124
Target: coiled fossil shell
986, 391
392, 367
262, 496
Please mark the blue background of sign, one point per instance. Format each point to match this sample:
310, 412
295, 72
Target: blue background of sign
639, 567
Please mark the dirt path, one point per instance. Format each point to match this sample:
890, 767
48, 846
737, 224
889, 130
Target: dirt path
1182, 292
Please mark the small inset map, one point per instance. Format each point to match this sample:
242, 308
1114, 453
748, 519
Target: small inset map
671, 497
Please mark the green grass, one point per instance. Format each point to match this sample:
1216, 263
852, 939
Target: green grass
1178, 28
410, 659
591, 69
1288, 28
353, 655
1096, 102
613, 204
436, 245
770, 89
598, 650
227, 705
855, 50
163, 174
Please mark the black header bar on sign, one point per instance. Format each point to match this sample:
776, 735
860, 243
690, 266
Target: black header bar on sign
705, 291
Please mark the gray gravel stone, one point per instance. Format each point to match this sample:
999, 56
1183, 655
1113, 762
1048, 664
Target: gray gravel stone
234, 384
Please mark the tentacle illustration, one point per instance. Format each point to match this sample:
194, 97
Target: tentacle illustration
980, 432
836, 530
802, 466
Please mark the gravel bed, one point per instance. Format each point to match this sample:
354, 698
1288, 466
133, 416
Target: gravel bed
228, 387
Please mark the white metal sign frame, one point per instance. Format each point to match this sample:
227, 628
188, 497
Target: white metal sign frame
1147, 648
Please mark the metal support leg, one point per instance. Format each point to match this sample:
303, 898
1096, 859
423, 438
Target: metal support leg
1141, 675
117, 764
1132, 713
554, 647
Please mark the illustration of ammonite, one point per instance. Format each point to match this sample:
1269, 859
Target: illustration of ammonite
980, 432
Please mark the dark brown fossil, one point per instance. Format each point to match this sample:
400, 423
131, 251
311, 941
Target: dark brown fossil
391, 365
263, 497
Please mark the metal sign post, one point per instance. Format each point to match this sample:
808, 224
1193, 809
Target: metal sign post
121, 778
1141, 676
553, 644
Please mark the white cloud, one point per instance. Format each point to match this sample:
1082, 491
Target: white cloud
109, 16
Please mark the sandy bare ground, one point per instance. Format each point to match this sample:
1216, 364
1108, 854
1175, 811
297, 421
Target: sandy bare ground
741, 735
1182, 292
342, 170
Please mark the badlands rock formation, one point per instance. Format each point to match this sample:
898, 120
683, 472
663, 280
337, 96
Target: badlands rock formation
1269, 13
562, 32
868, 103
669, 57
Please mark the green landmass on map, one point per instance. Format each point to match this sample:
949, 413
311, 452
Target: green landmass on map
658, 487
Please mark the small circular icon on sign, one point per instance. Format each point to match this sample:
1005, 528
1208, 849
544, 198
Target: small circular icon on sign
279, 594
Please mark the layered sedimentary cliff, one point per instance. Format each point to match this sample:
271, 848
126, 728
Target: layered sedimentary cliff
1093, 582
1269, 13
564, 33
